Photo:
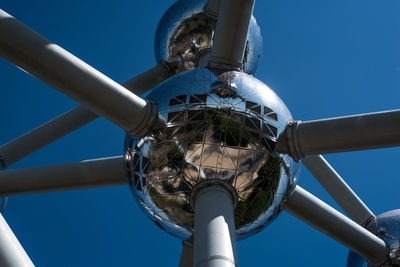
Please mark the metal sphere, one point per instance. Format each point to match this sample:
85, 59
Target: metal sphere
388, 227
185, 33
218, 128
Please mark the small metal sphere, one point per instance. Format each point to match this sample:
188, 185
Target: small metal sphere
217, 127
388, 229
185, 32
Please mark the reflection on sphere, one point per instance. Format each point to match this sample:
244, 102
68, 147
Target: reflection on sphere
185, 33
388, 226
217, 128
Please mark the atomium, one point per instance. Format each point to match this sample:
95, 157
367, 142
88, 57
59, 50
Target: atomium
211, 139
218, 127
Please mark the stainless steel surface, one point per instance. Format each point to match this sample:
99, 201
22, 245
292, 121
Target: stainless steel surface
341, 134
185, 34
149, 79
217, 127
338, 189
232, 28
388, 225
67, 176
329, 221
214, 234
12, 254
58, 68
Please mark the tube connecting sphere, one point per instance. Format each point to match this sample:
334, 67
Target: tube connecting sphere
217, 127
388, 227
185, 34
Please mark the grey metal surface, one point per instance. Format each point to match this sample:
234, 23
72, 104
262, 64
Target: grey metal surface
341, 134
67, 176
214, 228
329, 221
217, 127
12, 254
185, 34
388, 225
58, 68
72, 120
232, 28
186, 259
212, 8
338, 189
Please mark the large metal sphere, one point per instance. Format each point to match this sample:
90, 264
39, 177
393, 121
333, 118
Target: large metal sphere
388, 226
217, 128
185, 34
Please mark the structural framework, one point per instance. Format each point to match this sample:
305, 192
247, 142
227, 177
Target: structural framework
237, 114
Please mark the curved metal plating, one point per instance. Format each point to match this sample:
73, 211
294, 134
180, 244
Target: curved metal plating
185, 34
388, 226
216, 128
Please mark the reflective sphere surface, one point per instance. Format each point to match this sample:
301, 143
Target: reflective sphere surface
389, 230
185, 34
217, 128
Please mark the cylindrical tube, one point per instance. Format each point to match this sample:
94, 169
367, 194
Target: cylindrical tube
329, 221
214, 228
334, 135
45, 134
232, 28
58, 68
67, 176
338, 189
74, 119
12, 254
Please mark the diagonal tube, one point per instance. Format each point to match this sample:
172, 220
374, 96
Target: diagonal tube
58, 68
45, 134
329, 221
342, 134
67, 176
74, 119
214, 227
12, 254
338, 189
230, 37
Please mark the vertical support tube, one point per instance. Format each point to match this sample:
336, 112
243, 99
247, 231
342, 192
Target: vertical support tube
12, 253
231, 34
214, 228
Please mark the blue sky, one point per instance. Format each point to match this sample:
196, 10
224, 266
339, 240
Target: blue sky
323, 58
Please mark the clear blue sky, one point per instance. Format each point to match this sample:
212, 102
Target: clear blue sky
324, 58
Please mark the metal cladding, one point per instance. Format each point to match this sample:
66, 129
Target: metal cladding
185, 34
216, 128
388, 226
